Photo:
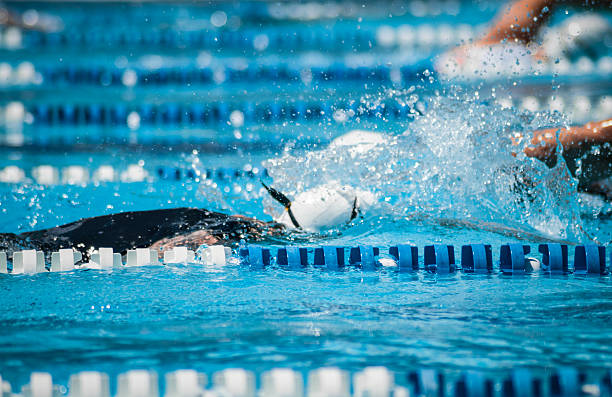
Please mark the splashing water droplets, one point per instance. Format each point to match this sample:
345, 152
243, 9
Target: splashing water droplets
456, 162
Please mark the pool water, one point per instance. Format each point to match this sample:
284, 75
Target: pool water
442, 172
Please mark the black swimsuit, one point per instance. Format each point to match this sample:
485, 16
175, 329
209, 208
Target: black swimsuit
128, 230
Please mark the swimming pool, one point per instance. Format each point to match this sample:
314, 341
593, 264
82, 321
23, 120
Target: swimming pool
164, 106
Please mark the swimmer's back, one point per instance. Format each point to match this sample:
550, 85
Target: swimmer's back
128, 230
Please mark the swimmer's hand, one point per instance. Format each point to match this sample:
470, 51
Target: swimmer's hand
587, 150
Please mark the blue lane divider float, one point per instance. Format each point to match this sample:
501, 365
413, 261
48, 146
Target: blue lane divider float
364, 256
475, 258
554, 257
521, 383
267, 38
512, 258
439, 258
474, 384
331, 258
590, 259
406, 256
193, 75
292, 257
339, 37
220, 174
254, 256
198, 114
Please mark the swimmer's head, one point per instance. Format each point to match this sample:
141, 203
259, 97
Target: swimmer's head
323, 207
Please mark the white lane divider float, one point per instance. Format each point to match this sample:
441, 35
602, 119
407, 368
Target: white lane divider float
49, 175
373, 382
179, 255
328, 382
282, 382
5, 388
28, 261
185, 383
105, 258
3, 268
217, 255
236, 382
41, 385
89, 384
137, 383
67, 259
142, 257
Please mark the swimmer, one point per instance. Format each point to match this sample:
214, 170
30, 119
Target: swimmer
159, 229
323, 207
516, 28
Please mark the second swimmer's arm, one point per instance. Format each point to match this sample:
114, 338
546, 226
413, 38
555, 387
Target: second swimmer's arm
521, 20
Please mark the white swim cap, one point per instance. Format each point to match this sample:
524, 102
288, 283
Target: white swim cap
326, 206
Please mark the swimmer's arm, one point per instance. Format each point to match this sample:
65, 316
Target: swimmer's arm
590, 143
522, 20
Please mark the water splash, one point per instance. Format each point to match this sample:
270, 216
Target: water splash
456, 161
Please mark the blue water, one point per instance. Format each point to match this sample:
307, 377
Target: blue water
439, 177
